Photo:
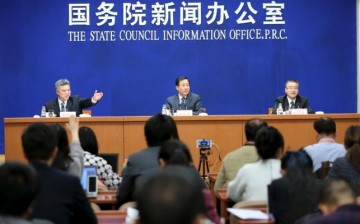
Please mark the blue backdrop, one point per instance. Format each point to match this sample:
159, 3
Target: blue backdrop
314, 42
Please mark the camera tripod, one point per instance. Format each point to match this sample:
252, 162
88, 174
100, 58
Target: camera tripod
203, 163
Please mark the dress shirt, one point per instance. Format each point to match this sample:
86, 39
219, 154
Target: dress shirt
325, 150
60, 102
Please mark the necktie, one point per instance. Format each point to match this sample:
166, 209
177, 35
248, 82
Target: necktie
62, 106
292, 105
182, 105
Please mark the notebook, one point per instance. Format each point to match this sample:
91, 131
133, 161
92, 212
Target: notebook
89, 181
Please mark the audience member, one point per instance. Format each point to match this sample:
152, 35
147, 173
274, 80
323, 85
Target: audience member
105, 172
292, 99
18, 188
170, 199
337, 201
236, 159
158, 129
269, 144
294, 195
327, 149
69, 158
184, 99
348, 167
66, 102
175, 159
61, 198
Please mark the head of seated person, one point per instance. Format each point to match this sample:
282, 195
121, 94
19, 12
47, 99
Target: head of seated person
352, 145
88, 140
170, 199
325, 127
252, 127
18, 188
335, 192
159, 129
295, 163
269, 143
174, 152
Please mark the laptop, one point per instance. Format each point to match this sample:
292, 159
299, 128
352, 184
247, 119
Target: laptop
89, 181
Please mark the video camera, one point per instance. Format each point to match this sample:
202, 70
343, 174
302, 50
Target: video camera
203, 144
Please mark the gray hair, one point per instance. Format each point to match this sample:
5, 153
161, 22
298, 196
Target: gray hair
61, 82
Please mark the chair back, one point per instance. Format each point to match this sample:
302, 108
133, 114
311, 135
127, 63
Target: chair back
323, 171
112, 159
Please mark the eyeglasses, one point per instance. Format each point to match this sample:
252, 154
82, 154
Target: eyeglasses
292, 88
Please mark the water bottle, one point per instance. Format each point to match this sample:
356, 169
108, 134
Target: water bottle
43, 111
164, 110
280, 110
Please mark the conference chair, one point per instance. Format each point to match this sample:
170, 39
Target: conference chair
323, 171
112, 159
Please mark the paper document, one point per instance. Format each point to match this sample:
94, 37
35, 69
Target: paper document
248, 213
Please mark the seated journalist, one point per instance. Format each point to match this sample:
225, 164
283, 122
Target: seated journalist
185, 100
292, 99
66, 102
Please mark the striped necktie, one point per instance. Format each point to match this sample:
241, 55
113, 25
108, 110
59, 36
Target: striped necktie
292, 105
62, 106
182, 104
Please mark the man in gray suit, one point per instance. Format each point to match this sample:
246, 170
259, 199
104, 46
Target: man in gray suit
66, 102
158, 129
184, 100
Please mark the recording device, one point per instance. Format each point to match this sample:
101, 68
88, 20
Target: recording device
204, 143
91, 190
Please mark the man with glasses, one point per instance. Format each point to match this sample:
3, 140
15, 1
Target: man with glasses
292, 100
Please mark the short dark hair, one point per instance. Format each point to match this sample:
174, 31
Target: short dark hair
18, 188
252, 127
325, 125
293, 159
175, 152
159, 129
292, 80
179, 79
332, 190
88, 140
167, 198
39, 142
269, 142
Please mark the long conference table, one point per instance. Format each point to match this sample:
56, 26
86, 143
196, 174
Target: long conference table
125, 134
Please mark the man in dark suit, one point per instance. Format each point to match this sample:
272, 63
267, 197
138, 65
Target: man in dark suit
61, 198
158, 129
292, 100
184, 100
66, 102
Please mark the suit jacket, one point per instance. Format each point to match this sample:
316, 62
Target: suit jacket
192, 102
74, 103
233, 162
282, 204
300, 102
342, 168
61, 198
137, 163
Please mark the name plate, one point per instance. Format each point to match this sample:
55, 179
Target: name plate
299, 111
184, 113
68, 114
